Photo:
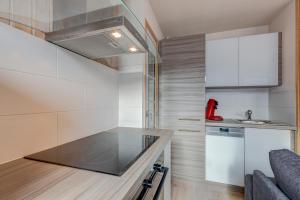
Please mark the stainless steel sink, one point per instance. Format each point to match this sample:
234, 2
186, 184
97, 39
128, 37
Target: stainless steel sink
255, 122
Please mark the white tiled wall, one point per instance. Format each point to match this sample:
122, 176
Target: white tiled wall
49, 96
31, 13
4, 9
233, 103
25, 134
40, 58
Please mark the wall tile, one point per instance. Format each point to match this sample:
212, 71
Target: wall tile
41, 14
23, 52
24, 93
4, 10
283, 114
77, 68
21, 11
71, 126
31, 90
234, 103
68, 8
73, 67
283, 98
22, 135
93, 5
102, 119
238, 112
74, 125
102, 96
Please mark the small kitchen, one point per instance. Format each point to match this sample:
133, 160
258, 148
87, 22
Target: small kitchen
243, 102
111, 100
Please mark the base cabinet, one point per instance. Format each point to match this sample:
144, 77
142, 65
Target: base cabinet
258, 144
229, 159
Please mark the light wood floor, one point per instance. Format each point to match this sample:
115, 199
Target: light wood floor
188, 190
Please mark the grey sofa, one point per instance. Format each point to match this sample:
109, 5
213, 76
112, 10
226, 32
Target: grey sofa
284, 186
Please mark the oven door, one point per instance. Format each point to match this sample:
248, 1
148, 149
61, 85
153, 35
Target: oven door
153, 184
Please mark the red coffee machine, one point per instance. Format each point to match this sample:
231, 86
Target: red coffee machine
212, 105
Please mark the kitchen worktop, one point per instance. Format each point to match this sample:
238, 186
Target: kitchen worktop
27, 179
236, 123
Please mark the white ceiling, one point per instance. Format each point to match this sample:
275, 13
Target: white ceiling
184, 17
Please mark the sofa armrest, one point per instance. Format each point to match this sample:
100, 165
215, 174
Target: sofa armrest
265, 189
248, 195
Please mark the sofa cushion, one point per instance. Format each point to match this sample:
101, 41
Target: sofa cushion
265, 189
248, 195
286, 168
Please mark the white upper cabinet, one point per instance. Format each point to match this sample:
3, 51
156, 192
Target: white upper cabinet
258, 60
249, 61
222, 62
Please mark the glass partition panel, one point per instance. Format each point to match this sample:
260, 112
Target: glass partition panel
150, 92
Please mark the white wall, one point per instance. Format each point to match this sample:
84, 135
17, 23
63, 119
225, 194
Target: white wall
131, 91
131, 100
50, 96
283, 99
233, 103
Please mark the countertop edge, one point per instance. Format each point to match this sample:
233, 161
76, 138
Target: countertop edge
135, 172
239, 125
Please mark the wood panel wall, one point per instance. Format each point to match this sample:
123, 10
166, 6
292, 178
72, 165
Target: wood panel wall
182, 103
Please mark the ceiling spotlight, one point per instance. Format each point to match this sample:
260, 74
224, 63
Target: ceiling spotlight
116, 34
133, 49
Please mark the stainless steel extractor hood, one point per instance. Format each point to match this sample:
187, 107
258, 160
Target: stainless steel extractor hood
99, 35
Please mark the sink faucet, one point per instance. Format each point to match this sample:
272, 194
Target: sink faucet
249, 114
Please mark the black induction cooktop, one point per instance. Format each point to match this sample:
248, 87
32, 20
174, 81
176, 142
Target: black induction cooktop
106, 152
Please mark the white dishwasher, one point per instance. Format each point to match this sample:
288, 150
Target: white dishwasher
225, 157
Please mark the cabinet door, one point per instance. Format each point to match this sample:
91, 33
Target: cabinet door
222, 63
225, 159
258, 144
258, 60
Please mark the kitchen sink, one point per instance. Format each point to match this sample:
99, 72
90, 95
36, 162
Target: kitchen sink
255, 122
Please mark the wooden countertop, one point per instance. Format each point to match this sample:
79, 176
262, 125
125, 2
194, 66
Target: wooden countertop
27, 179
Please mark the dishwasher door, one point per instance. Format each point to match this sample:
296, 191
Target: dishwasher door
225, 155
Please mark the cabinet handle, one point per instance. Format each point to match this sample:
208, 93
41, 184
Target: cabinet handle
147, 185
187, 130
187, 119
224, 130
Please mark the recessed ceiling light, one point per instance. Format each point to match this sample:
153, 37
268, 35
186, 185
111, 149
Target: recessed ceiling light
116, 34
133, 49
